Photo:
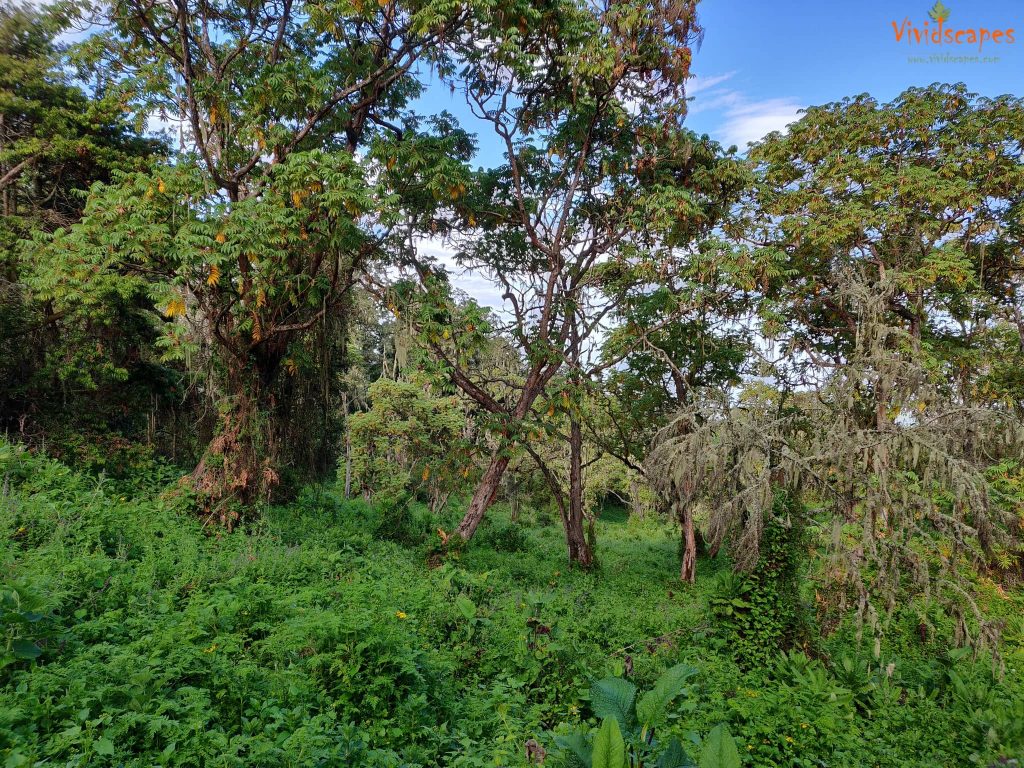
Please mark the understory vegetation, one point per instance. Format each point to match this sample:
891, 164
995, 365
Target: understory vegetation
308, 639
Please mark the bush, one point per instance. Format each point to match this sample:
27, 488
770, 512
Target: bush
762, 611
503, 537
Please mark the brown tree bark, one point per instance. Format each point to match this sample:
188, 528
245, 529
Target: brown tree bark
688, 567
483, 497
239, 466
580, 552
490, 483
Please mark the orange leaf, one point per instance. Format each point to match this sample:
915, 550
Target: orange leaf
175, 307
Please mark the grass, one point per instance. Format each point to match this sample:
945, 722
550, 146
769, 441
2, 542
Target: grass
310, 639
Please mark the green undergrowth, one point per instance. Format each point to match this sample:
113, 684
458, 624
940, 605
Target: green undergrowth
331, 633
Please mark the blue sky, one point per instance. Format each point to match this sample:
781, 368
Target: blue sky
761, 62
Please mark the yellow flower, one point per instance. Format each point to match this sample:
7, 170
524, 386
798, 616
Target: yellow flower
789, 739
400, 614
211, 649
803, 725
750, 746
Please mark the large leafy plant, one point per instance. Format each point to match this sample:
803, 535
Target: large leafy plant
629, 720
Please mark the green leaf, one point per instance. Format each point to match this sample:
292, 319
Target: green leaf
675, 756
578, 752
614, 697
466, 606
103, 746
26, 649
719, 750
938, 12
609, 748
653, 704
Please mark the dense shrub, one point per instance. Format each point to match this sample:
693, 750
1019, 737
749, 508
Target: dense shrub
132, 636
761, 611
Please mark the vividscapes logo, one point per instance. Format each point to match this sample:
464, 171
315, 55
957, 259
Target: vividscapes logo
939, 31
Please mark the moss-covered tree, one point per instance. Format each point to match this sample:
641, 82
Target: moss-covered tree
249, 239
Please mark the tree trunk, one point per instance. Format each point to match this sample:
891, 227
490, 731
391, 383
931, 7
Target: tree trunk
239, 466
348, 446
348, 467
484, 495
580, 552
513, 504
688, 568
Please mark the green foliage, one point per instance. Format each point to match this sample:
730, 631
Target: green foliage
306, 639
719, 750
652, 707
504, 537
25, 627
615, 698
210, 297
626, 736
243, 248
609, 750
88, 367
410, 441
762, 611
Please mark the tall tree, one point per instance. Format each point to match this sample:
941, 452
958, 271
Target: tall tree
668, 355
249, 240
57, 138
923, 193
588, 109
896, 230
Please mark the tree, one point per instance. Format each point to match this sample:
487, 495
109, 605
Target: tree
588, 108
251, 237
409, 440
917, 201
56, 140
667, 356
923, 194
928, 505
894, 227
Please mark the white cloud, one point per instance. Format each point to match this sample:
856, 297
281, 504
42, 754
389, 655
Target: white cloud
749, 121
699, 83
156, 123
742, 119
476, 285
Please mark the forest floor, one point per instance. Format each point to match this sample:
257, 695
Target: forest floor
329, 633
